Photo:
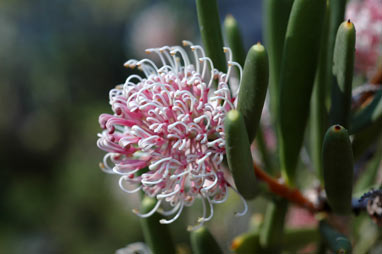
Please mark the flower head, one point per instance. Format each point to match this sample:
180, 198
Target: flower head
367, 18
166, 135
135, 248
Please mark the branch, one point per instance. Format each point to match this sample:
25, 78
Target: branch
282, 190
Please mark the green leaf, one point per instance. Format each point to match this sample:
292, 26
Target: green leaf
319, 114
202, 242
247, 243
343, 66
253, 88
366, 137
337, 157
235, 43
368, 115
337, 16
209, 25
276, 16
265, 154
369, 175
239, 155
337, 13
272, 231
234, 38
300, 58
156, 235
293, 240
336, 241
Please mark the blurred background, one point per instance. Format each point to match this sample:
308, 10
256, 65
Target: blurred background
58, 60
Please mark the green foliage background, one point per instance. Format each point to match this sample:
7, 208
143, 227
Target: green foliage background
59, 59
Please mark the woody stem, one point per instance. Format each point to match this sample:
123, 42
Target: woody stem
282, 190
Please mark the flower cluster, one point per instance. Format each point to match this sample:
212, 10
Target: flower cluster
166, 135
367, 18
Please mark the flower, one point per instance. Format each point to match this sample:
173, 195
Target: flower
367, 18
135, 248
166, 135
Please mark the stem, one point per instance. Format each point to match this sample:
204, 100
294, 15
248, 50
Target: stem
294, 196
282, 190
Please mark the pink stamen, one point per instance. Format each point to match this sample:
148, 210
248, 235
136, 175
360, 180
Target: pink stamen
170, 125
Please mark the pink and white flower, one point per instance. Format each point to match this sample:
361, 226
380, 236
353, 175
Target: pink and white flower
166, 135
367, 18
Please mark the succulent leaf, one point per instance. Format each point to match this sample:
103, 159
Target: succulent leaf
337, 157
271, 234
343, 66
253, 88
319, 114
234, 39
300, 57
239, 155
209, 25
336, 241
368, 115
276, 15
369, 175
337, 15
156, 235
366, 137
293, 240
203, 242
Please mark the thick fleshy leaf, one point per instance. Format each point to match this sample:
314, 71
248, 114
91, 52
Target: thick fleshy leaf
299, 62
276, 16
337, 158
253, 88
239, 155
209, 25
234, 39
337, 242
203, 242
343, 66
156, 235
